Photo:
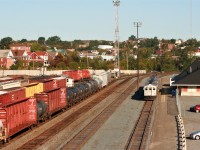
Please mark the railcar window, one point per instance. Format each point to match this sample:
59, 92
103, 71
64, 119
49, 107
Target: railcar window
146, 89
149, 88
154, 89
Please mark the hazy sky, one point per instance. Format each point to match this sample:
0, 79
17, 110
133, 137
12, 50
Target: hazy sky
95, 19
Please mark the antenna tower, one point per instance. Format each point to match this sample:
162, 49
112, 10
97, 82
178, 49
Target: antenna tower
117, 64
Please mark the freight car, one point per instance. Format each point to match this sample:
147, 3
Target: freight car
151, 88
16, 117
81, 90
77, 75
26, 106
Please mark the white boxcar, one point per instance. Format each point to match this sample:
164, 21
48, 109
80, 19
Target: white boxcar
10, 84
105, 77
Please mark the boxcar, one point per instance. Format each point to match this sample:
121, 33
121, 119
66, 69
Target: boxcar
16, 117
13, 95
55, 100
33, 88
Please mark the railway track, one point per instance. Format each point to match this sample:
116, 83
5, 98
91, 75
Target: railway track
49, 133
83, 136
138, 137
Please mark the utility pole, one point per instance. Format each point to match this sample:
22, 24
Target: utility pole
137, 25
87, 61
127, 59
117, 64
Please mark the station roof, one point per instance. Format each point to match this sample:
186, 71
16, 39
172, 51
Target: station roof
190, 76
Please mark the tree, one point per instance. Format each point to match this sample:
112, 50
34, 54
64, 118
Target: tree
19, 65
132, 37
57, 60
73, 65
37, 47
61, 65
53, 41
41, 40
23, 40
5, 42
173, 41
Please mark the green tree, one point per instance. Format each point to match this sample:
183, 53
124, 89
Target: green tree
5, 42
73, 65
37, 47
61, 65
23, 40
19, 65
35, 64
41, 40
132, 37
54, 41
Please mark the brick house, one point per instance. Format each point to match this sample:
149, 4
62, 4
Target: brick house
6, 59
42, 57
20, 55
21, 46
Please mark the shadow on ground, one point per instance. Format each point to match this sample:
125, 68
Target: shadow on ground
138, 95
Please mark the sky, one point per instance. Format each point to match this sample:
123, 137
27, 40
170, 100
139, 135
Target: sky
95, 19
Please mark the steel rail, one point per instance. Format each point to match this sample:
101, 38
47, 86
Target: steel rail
138, 136
49, 133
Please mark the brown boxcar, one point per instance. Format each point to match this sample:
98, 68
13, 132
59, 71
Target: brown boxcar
59, 82
48, 84
85, 74
74, 74
16, 117
55, 100
13, 95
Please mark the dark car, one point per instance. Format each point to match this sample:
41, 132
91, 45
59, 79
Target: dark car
195, 108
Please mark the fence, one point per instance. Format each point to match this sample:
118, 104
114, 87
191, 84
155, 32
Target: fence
180, 125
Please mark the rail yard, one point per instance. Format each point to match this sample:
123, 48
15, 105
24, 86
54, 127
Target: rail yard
113, 116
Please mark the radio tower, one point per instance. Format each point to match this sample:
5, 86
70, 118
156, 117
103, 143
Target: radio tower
117, 64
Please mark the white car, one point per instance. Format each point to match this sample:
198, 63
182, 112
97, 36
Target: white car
195, 135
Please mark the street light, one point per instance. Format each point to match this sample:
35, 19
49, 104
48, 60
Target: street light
137, 25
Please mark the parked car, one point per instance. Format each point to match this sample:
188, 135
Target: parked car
195, 108
195, 135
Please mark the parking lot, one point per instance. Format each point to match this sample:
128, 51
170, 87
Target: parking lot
191, 119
